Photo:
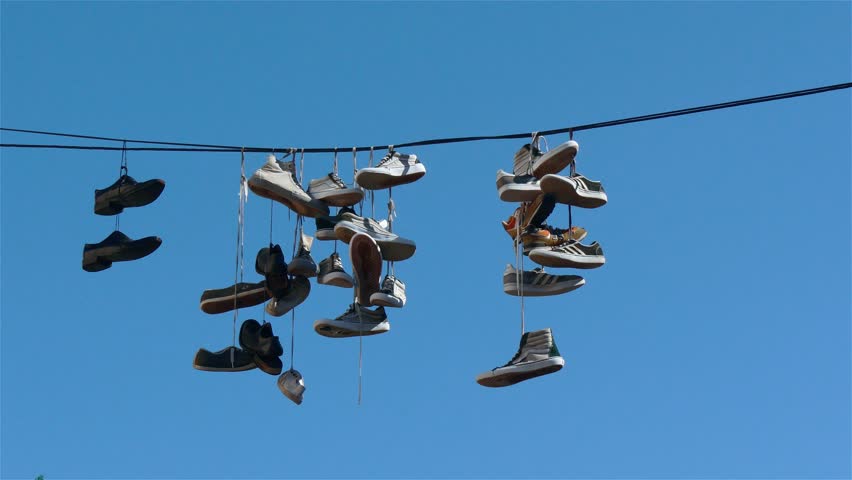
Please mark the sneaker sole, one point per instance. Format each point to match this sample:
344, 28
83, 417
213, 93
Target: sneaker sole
245, 368
245, 299
557, 288
554, 161
392, 250
385, 300
518, 193
302, 267
366, 261
548, 258
326, 234
336, 279
342, 198
505, 376
336, 329
379, 181
299, 206
300, 289
565, 191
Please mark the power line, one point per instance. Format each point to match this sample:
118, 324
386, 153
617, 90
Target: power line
195, 147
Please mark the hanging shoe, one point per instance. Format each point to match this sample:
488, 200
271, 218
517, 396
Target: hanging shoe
533, 238
537, 212
295, 294
522, 162
270, 263
230, 359
303, 263
331, 272
394, 169
277, 180
537, 356
366, 261
332, 190
571, 254
240, 295
537, 283
517, 188
355, 321
392, 293
325, 225
292, 385
575, 190
117, 247
554, 160
394, 248
265, 347
127, 192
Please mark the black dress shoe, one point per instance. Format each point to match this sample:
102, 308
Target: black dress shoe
117, 247
127, 192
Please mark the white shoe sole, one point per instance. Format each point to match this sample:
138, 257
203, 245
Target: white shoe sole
386, 300
543, 290
512, 192
381, 178
308, 208
342, 197
554, 161
339, 329
336, 279
505, 376
548, 258
326, 234
565, 191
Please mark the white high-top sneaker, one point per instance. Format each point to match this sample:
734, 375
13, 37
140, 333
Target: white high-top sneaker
332, 190
536, 356
277, 180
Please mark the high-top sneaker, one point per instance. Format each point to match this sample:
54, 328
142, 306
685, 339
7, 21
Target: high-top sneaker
277, 180
303, 264
394, 169
331, 272
537, 356
332, 190
355, 321
575, 190
392, 293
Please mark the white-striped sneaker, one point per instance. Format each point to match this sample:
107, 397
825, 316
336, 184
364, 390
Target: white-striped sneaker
571, 254
555, 160
537, 283
537, 356
575, 190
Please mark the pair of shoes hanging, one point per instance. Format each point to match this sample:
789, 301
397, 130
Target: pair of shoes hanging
260, 348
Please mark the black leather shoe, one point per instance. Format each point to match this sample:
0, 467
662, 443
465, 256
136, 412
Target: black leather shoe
117, 247
127, 192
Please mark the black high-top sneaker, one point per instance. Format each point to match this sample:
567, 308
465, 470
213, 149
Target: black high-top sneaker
303, 263
537, 356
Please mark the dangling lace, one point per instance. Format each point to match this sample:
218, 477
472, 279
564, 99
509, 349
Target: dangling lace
240, 257
122, 171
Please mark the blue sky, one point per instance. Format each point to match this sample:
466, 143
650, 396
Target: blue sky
715, 342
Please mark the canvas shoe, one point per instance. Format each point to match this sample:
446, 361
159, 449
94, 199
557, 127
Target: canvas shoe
392, 293
127, 192
303, 263
325, 224
240, 295
571, 254
332, 273
522, 163
277, 181
535, 214
355, 321
270, 263
366, 261
554, 160
292, 385
230, 359
394, 169
298, 291
533, 238
332, 190
537, 356
575, 190
394, 247
117, 247
517, 188
537, 283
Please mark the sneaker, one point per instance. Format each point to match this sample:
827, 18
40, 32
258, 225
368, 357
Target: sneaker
366, 261
555, 160
537, 283
264, 346
230, 359
127, 192
522, 163
533, 238
277, 180
240, 295
392, 293
270, 263
394, 169
117, 247
575, 190
394, 247
355, 321
572, 254
325, 224
332, 190
298, 291
536, 213
303, 263
292, 385
331, 272
517, 188
537, 356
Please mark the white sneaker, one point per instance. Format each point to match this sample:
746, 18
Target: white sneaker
394, 169
277, 180
332, 190
392, 293
536, 356
292, 385
355, 321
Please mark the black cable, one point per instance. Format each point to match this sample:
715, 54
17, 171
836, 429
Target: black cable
437, 141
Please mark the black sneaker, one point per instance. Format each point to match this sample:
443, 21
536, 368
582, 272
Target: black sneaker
127, 192
223, 299
571, 254
265, 347
325, 225
230, 359
117, 247
270, 263
538, 283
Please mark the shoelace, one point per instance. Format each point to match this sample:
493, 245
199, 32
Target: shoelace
387, 158
337, 180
